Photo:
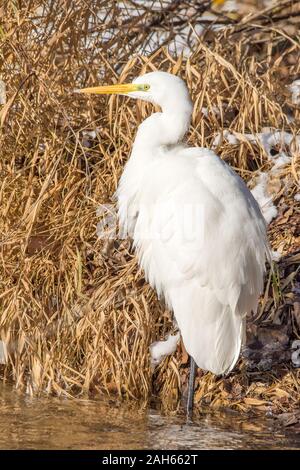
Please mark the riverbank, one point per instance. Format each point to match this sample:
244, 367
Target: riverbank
77, 318
52, 423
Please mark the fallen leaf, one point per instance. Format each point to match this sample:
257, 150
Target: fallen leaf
254, 402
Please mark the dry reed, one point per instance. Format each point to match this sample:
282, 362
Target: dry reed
76, 314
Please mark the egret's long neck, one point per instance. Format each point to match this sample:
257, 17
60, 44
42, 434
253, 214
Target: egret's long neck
159, 130
166, 128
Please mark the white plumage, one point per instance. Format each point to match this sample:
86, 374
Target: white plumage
198, 232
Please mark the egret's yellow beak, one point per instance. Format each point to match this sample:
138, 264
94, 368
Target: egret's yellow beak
122, 88
218, 2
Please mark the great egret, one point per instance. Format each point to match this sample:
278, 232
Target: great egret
198, 232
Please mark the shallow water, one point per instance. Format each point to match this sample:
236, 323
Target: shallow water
52, 423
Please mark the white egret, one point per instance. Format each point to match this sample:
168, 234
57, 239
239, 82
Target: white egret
198, 232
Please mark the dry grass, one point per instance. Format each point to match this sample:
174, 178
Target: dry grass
76, 313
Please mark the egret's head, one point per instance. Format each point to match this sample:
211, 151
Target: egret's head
161, 88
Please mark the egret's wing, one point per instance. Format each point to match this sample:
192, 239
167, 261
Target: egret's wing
201, 240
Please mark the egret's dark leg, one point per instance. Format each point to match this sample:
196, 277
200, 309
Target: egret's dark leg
190, 398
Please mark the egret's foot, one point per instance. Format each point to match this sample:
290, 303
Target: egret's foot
190, 398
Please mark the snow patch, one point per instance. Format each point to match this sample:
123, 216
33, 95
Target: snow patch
231, 138
295, 90
296, 354
281, 160
91, 134
260, 193
88, 137
268, 139
205, 111
230, 6
283, 142
275, 255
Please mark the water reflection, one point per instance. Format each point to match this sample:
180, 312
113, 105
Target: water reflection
52, 423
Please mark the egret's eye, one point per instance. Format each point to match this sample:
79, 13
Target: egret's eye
143, 87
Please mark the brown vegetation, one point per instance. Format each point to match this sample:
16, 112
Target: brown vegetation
76, 314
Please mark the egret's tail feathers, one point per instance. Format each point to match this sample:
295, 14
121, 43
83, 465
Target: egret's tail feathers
231, 336
211, 332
